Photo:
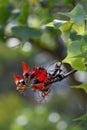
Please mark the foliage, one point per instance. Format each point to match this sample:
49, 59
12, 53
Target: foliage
40, 26
76, 46
25, 33
20, 116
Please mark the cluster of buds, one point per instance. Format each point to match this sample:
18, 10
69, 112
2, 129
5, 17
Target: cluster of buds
38, 79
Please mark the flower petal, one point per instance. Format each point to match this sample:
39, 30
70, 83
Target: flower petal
25, 68
17, 78
42, 76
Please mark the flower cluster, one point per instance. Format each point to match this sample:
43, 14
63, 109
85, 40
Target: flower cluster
37, 79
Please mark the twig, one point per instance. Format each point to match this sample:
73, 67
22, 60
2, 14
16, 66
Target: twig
60, 77
69, 73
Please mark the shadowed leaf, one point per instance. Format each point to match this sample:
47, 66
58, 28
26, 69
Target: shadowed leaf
82, 86
26, 33
77, 14
83, 117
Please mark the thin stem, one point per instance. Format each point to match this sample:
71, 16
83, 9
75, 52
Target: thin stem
69, 73
61, 77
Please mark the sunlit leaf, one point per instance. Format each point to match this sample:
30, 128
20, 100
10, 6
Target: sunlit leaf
65, 29
55, 23
66, 26
25, 33
49, 24
76, 63
80, 29
75, 56
77, 14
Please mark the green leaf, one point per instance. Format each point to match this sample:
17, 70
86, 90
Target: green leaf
57, 23
80, 29
5, 12
83, 118
26, 33
84, 46
76, 63
24, 14
75, 56
74, 49
52, 31
49, 24
65, 29
74, 36
66, 26
82, 86
77, 14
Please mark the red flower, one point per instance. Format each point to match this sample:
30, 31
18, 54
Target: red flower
42, 76
21, 87
26, 68
17, 78
41, 87
35, 72
39, 74
38, 86
35, 80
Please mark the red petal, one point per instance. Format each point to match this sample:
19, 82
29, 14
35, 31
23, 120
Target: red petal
42, 76
39, 86
35, 71
25, 67
17, 78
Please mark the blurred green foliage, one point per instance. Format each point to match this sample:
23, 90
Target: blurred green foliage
35, 31
17, 115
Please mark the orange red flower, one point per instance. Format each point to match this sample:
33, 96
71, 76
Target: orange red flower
38, 79
35, 79
26, 70
20, 83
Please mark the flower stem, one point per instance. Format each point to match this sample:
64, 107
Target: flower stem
60, 77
